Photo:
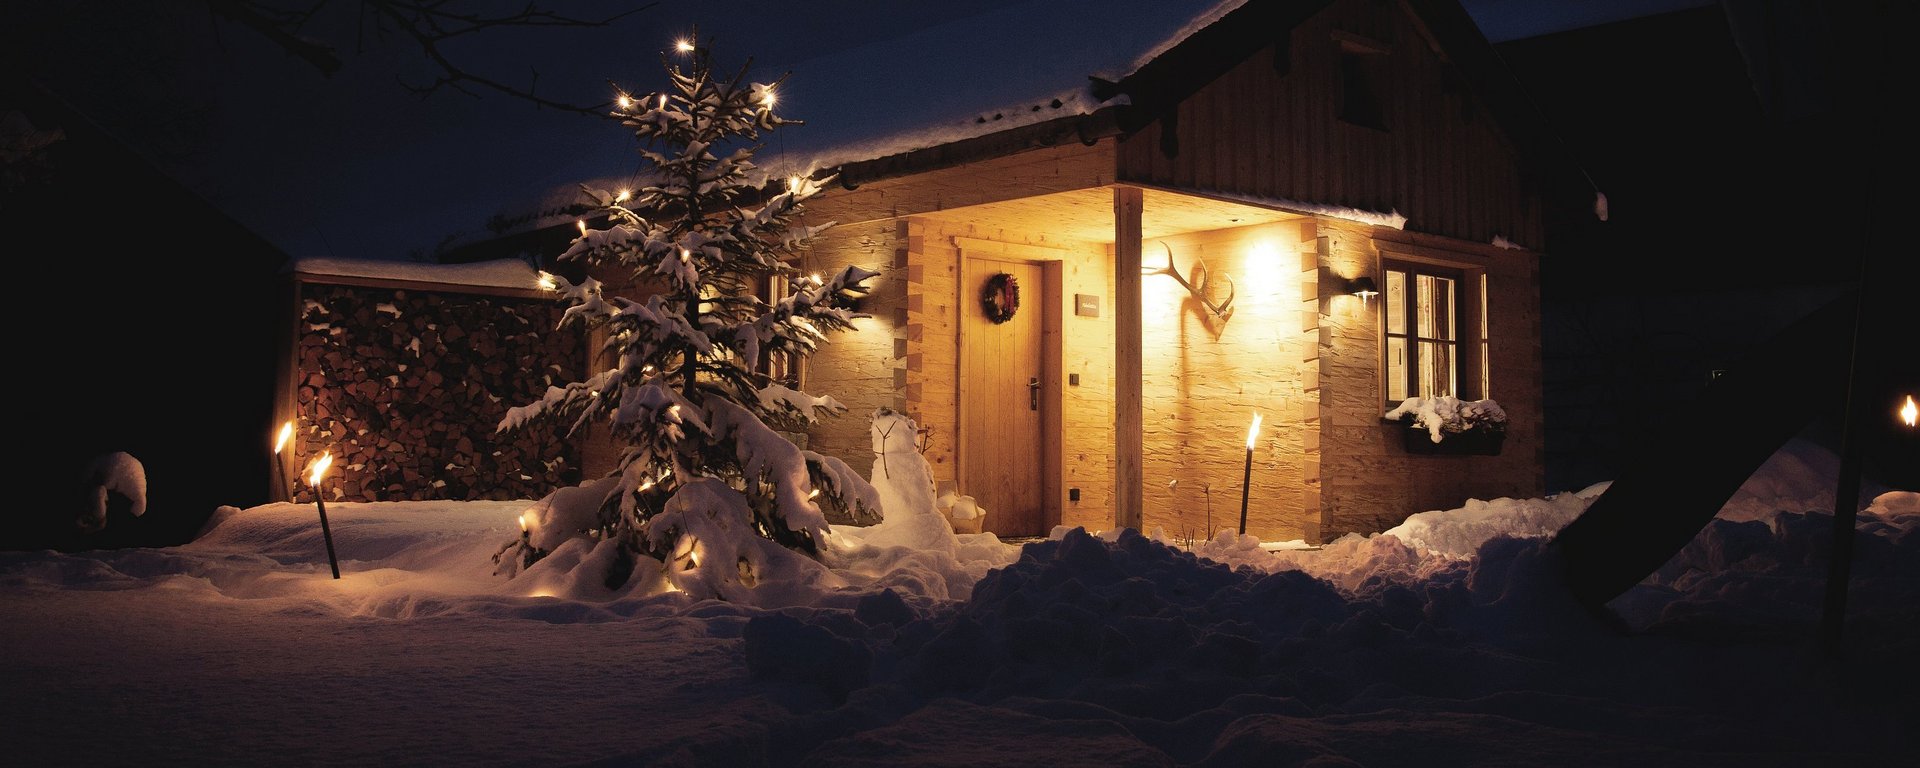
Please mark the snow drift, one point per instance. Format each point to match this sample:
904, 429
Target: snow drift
1445, 640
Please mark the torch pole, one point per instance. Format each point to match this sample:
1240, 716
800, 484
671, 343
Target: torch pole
1246, 486
326, 532
280, 463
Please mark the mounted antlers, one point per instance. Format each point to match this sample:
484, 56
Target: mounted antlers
1198, 286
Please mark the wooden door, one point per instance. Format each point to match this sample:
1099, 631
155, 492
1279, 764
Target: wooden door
1000, 399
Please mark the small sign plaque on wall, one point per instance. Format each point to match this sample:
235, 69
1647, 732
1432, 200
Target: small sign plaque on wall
1086, 305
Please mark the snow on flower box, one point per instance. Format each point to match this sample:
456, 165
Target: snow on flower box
1446, 425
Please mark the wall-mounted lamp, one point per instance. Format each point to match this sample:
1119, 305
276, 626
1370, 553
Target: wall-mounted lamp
1363, 287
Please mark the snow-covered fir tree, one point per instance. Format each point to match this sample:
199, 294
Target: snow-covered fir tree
707, 492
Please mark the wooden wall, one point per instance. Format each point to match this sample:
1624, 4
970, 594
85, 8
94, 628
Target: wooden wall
1358, 472
1260, 132
1086, 410
1206, 376
933, 296
1011, 177
907, 357
863, 369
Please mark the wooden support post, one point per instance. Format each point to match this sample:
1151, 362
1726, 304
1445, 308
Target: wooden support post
1128, 472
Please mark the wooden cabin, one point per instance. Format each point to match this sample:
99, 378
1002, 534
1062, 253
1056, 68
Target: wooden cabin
1284, 156
1303, 209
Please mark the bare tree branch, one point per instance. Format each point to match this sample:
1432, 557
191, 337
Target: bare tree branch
280, 29
427, 24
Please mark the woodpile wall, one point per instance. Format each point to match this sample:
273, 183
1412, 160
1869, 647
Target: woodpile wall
405, 387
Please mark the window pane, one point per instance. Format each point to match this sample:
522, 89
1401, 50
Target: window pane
1483, 306
1486, 373
1486, 360
1396, 369
1396, 302
1433, 309
1436, 368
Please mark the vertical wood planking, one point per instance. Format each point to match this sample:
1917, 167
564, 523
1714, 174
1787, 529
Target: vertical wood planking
1002, 461
1127, 421
1269, 126
1256, 132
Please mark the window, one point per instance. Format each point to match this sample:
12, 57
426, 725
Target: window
1426, 320
1361, 77
780, 367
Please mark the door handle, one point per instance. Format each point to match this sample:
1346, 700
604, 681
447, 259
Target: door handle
1033, 393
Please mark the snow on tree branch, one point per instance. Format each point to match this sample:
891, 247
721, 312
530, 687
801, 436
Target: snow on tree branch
706, 491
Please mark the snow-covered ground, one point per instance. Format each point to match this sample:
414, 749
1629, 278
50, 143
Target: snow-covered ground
1439, 643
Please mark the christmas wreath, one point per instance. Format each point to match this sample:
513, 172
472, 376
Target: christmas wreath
1000, 297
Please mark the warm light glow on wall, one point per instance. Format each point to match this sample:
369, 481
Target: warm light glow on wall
1266, 271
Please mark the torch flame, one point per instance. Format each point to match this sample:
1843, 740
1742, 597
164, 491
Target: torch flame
1909, 412
320, 468
546, 281
582, 224
625, 101
526, 521
623, 196
1253, 432
767, 98
683, 45
286, 433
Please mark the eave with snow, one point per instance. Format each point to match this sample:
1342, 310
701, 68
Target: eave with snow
1279, 151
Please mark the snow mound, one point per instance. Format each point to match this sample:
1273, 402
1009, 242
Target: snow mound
1108, 649
1747, 575
912, 550
1800, 477
118, 473
1458, 533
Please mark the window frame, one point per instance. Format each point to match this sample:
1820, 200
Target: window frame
779, 367
1471, 375
1364, 70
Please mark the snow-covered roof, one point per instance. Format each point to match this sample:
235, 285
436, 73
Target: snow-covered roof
1019, 65
500, 273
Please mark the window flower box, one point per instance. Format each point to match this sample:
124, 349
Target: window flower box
1447, 426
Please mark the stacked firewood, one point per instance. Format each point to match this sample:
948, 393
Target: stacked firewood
406, 387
